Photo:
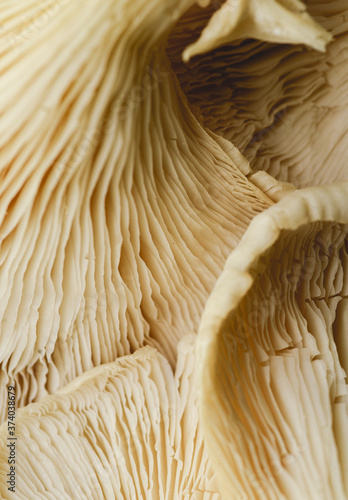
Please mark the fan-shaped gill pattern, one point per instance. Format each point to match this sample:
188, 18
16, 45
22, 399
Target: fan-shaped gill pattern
283, 106
128, 429
272, 352
117, 210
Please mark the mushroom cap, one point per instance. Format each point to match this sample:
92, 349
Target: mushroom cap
128, 429
117, 209
269, 20
272, 354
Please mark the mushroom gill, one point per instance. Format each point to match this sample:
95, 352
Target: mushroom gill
125, 430
272, 354
284, 106
121, 196
117, 209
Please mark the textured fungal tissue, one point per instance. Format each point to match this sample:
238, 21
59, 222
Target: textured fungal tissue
174, 249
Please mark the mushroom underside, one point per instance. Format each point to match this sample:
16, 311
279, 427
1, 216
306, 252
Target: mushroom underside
272, 353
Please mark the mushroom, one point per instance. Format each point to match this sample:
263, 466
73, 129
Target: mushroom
127, 429
272, 354
117, 209
283, 106
268, 20
117, 212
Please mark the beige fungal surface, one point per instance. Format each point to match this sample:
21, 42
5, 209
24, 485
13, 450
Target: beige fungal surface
268, 20
284, 106
141, 142
128, 429
272, 351
117, 209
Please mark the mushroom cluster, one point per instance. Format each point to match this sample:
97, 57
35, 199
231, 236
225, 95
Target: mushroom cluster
173, 279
